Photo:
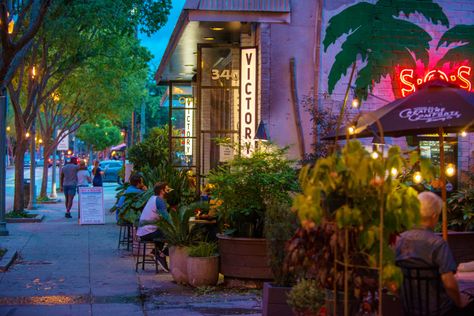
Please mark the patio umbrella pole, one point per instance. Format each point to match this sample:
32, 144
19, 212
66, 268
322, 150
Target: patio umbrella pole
443, 182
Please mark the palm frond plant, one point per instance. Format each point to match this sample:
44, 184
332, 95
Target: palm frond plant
133, 205
370, 30
460, 54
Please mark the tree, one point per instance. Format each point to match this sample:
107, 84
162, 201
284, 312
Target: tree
99, 135
16, 35
380, 39
75, 33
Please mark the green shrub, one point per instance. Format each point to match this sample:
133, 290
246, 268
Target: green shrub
203, 249
306, 296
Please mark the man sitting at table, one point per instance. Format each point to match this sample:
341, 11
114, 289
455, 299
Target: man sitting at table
155, 210
420, 247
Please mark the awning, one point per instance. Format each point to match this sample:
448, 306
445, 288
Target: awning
119, 147
221, 20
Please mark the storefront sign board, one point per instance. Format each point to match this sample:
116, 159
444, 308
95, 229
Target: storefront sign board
188, 124
91, 202
64, 143
248, 99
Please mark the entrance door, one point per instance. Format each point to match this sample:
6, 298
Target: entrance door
218, 88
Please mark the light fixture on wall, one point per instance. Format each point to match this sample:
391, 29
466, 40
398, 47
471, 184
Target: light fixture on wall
261, 132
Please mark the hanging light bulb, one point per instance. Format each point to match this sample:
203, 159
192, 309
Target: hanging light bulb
351, 130
374, 155
27, 134
417, 177
450, 170
463, 134
355, 103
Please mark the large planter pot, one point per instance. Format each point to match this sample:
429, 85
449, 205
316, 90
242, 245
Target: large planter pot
203, 271
274, 300
178, 264
244, 258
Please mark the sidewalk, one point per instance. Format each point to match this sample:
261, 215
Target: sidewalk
68, 269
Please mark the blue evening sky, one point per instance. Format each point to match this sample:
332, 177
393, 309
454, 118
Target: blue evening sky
157, 42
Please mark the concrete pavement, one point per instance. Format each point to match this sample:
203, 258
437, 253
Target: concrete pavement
68, 269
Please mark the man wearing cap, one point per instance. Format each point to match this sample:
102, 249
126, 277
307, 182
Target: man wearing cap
68, 182
155, 210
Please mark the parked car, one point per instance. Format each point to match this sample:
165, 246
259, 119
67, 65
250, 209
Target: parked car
111, 169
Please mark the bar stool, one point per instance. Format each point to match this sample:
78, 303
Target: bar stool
125, 235
142, 258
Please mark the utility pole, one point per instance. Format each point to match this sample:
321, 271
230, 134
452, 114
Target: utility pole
32, 202
3, 166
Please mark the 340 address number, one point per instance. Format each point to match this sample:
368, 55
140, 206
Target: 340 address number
226, 74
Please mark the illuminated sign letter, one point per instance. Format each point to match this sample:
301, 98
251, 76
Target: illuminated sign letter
188, 124
405, 75
248, 99
464, 70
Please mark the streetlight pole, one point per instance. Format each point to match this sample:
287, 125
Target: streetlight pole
32, 202
3, 147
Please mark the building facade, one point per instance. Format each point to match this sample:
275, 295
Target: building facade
233, 64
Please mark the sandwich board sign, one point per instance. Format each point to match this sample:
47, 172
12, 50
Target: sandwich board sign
91, 205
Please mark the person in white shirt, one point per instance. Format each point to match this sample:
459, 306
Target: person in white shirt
83, 176
155, 210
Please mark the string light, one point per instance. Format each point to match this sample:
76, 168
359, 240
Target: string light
463, 134
417, 177
394, 172
355, 103
450, 170
351, 130
27, 134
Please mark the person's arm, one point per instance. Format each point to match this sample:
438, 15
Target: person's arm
451, 286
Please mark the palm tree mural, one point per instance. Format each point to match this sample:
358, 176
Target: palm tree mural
461, 53
380, 40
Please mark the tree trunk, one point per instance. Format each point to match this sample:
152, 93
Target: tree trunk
44, 181
19, 175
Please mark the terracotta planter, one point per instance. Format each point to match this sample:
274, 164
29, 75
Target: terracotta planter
244, 258
274, 300
178, 264
203, 270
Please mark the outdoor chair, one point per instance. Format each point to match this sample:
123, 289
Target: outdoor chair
125, 235
421, 287
144, 246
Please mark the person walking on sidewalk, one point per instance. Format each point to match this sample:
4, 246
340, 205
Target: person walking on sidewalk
68, 181
97, 173
83, 176
155, 210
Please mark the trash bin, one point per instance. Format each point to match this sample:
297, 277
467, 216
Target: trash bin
26, 192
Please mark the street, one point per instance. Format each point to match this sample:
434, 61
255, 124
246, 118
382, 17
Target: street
109, 187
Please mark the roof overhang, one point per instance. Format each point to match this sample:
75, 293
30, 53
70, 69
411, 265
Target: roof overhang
179, 62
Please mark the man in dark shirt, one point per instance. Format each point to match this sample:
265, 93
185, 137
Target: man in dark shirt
422, 248
68, 182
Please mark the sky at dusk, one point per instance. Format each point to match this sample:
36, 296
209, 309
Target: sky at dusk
157, 42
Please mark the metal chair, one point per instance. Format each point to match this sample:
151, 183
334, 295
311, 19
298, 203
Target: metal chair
142, 258
125, 235
421, 286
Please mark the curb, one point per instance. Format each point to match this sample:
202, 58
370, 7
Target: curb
37, 219
7, 260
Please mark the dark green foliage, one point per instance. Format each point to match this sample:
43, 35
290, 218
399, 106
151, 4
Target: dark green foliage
461, 206
280, 225
247, 184
464, 52
152, 151
19, 214
306, 297
177, 231
99, 135
381, 40
203, 249
133, 205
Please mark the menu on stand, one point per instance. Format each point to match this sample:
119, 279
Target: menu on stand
91, 205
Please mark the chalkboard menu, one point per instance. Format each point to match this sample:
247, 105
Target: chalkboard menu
91, 205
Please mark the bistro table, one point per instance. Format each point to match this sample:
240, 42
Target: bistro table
209, 226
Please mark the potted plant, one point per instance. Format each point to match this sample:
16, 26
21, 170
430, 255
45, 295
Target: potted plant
179, 235
351, 207
245, 185
203, 264
306, 298
280, 225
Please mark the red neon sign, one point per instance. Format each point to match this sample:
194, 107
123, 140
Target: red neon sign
409, 82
